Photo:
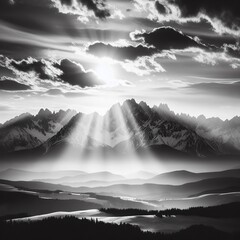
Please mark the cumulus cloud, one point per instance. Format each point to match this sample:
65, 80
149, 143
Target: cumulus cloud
121, 53
209, 57
51, 73
83, 8
160, 8
232, 50
139, 59
164, 42
222, 15
214, 58
76, 75
148, 64
31, 65
225, 11
165, 38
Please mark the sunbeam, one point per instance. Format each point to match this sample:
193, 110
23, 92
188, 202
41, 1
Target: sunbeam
139, 130
153, 87
99, 142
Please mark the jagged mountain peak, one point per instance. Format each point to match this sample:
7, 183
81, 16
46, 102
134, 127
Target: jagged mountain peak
130, 102
164, 106
201, 118
234, 121
133, 124
63, 116
28, 131
114, 108
43, 113
130, 124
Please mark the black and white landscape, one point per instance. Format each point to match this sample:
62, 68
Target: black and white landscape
119, 119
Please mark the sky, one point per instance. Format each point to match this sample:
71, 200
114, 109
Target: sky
89, 54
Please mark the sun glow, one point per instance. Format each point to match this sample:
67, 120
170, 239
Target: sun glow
106, 72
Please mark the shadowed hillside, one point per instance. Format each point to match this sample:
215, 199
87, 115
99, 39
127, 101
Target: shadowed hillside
73, 228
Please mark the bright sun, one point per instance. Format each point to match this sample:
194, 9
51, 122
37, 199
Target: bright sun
106, 73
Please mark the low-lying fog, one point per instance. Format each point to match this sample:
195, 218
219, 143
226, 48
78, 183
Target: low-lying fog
127, 166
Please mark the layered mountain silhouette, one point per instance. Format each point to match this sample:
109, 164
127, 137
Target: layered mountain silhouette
124, 128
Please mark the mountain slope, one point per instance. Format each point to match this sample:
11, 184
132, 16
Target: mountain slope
182, 176
128, 128
28, 131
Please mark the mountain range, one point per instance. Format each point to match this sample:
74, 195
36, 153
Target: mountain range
130, 127
25, 191
199, 184
97, 179
28, 131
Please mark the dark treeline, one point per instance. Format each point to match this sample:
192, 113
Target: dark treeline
230, 210
71, 228
128, 211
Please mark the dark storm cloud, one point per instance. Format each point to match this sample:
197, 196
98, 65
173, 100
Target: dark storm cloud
98, 7
232, 50
216, 40
166, 38
65, 71
5, 71
32, 65
127, 52
220, 89
75, 74
163, 38
11, 85
226, 11
160, 8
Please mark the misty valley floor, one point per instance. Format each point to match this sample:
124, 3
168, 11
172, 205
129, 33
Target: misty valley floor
140, 208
